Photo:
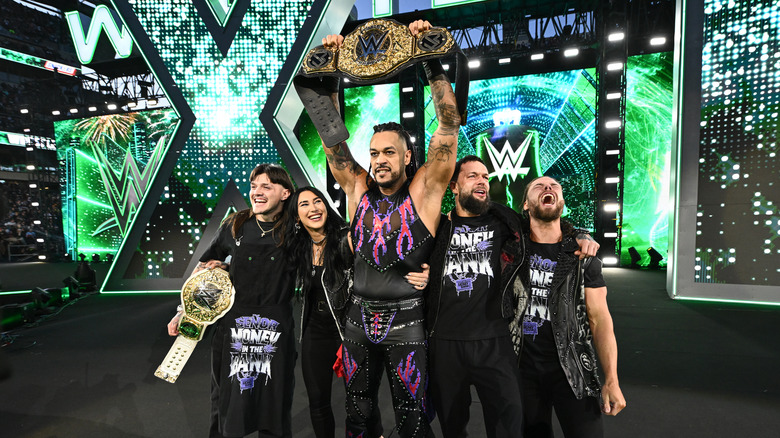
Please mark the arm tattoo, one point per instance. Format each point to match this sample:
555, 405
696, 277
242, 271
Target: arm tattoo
340, 158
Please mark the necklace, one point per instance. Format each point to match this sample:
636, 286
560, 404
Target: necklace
319, 241
261, 228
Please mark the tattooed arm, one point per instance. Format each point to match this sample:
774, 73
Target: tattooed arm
430, 182
346, 170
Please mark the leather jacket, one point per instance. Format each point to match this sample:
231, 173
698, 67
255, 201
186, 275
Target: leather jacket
337, 293
569, 320
512, 257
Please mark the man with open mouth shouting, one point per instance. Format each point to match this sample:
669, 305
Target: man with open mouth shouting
566, 322
479, 252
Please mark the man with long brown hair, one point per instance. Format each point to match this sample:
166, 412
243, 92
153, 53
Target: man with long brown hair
253, 349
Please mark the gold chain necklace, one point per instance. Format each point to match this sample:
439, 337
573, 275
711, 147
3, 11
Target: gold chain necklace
261, 228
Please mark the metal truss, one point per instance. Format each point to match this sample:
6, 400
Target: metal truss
133, 88
518, 33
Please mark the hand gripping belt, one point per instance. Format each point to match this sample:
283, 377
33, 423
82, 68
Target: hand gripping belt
375, 51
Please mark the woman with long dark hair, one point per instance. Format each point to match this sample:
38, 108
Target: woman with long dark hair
319, 246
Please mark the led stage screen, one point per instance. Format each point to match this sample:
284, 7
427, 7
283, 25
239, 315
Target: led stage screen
648, 140
737, 223
364, 107
528, 126
106, 165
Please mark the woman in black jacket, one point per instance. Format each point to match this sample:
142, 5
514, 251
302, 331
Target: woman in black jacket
320, 248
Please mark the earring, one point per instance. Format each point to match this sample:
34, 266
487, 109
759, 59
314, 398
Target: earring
297, 226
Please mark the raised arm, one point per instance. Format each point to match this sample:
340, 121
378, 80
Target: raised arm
432, 178
606, 347
345, 169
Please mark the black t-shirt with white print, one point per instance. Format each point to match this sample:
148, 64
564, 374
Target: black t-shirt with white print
539, 343
470, 306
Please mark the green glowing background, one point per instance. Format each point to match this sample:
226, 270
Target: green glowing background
226, 94
648, 134
364, 107
558, 109
88, 147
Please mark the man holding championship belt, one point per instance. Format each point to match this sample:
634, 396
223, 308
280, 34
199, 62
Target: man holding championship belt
395, 215
253, 349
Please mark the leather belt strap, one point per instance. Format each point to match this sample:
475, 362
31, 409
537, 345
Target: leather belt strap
377, 50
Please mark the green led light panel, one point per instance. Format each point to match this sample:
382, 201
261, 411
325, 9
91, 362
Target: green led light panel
226, 94
106, 166
738, 225
527, 126
364, 107
648, 143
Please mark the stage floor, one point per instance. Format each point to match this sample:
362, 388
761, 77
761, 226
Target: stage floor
687, 369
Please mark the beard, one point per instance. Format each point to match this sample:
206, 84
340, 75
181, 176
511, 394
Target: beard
474, 205
536, 212
390, 182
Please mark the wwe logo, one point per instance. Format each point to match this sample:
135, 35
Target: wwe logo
207, 295
372, 45
508, 162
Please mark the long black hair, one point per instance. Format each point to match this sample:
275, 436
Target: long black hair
299, 242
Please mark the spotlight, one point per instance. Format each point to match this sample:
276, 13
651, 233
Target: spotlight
109, 258
655, 257
616, 36
111, 106
611, 207
74, 110
30, 167
82, 257
132, 104
612, 124
613, 66
408, 114
26, 129
612, 180
612, 235
537, 56
446, 67
503, 61
24, 111
151, 102
92, 109
407, 89
613, 152
55, 112
571, 52
96, 258
613, 96
346, 81
635, 257
658, 41
610, 261
474, 63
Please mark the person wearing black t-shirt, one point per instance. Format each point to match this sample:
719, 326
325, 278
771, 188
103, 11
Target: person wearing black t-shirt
253, 348
565, 324
478, 254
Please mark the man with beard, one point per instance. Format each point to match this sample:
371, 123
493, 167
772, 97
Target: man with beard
565, 318
395, 217
478, 254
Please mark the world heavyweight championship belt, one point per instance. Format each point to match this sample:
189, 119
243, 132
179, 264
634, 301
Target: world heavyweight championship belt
375, 51
206, 297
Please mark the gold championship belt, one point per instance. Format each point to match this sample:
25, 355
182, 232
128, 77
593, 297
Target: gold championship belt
373, 52
206, 297
376, 50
